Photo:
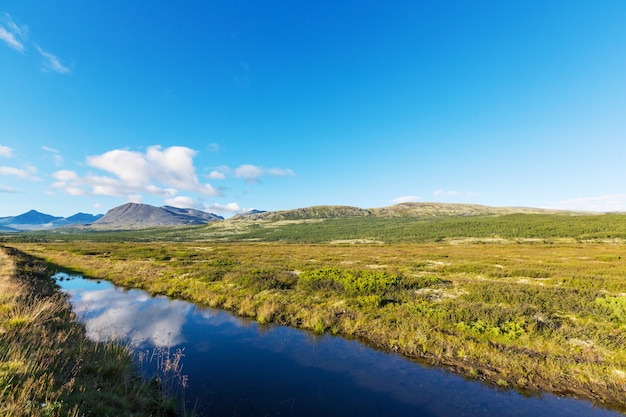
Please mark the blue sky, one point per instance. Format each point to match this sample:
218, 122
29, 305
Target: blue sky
231, 105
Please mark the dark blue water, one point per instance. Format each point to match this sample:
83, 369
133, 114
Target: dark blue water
236, 367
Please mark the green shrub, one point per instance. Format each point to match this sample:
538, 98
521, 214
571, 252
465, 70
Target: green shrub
351, 282
511, 329
616, 307
369, 302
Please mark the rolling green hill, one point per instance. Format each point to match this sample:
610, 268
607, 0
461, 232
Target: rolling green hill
368, 229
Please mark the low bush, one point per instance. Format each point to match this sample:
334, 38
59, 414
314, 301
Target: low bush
351, 282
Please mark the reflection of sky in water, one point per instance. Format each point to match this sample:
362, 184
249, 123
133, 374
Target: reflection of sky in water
234, 364
112, 313
434, 392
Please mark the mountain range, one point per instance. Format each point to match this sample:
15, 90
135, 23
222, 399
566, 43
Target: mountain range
141, 216
126, 216
35, 220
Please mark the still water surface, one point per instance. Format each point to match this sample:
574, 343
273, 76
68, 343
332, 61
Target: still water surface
236, 367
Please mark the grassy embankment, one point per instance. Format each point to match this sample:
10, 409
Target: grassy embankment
529, 316
47, 365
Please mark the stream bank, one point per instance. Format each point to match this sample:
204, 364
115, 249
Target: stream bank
48, 366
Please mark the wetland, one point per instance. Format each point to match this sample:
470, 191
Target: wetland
234, 366
533, 318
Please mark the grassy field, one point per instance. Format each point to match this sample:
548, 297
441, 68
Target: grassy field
48, 367
512, 227
531, 316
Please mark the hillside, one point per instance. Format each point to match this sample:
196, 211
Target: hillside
431, 209
401, 223
313, 212
416, 229
449, 209
141, 216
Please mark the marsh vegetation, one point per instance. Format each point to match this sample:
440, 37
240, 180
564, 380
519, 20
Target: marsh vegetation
533, 316
48, 367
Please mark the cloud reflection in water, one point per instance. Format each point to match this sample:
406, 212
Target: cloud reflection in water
112, 313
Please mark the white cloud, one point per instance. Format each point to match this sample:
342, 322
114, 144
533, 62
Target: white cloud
20, 30
224, 208
171, 167
605, 203
134, 198
182, 202
15, 36
216, 175
248, 172
406, 199
6, 151
130, 167
5, 189
165, 192
160, 172
75, 191
214, 147
102, 185
52, 62
279, 172
56, 155
65, 175
252, 173
27, 174
12, 34
174, 167
10, 40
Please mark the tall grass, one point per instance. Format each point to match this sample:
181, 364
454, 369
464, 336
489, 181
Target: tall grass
47, 365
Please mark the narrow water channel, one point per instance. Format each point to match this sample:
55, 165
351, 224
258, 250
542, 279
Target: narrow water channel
235, 367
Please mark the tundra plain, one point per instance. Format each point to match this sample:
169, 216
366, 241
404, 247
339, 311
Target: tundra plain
532, 302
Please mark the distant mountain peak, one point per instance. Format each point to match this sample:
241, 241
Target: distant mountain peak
35, 220
34, 217
142, 216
